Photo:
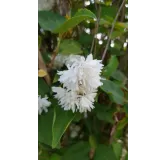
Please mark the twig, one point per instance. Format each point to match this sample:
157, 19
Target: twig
43, 66
96, 26
55, 53
112, 28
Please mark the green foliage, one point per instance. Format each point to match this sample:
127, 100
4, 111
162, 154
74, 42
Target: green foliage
64, 135
80, 16
104, 152
53, 124
70, 47
50, 21
77, 151
111, 67
113, 90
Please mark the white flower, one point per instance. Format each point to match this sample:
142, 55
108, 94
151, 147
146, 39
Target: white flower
72, 100
80, 83
82, 73
43, 103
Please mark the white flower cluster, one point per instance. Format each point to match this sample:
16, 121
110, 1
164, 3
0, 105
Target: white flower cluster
43, 104
80, 83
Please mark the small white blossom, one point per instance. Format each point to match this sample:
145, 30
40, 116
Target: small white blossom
43, 104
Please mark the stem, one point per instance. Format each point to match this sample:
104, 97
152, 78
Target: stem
55, 52
112, 28
43, 66
96, 28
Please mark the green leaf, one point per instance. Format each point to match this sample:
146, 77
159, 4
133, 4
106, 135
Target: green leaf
108, 12
69, 46
117, 147
45, 122
49, 20
111, 67
63, 119
81, 15
118, 75
78, 151
56, 77
114, 90
105, 116
55, 156
44, 155
43, 88
52, 125
122, 123
85, 39
104, 152
116, 34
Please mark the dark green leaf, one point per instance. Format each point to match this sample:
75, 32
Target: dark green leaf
117, 147
114, 90
49, 20
55, 156
63, 119
79, 151
118, 75
108, 11
45, 122
85, 39
69, 46
111, 67
53, 124
43, 88
104, 152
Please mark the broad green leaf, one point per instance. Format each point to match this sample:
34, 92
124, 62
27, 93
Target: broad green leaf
111, 67
43, 88
108, 11
55, 156
114, 90
53, 124
118, 75
117, 148
45, 121
63, 119
116, 34
69, 46
81, 15
49, 20
104, 152
78, 151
